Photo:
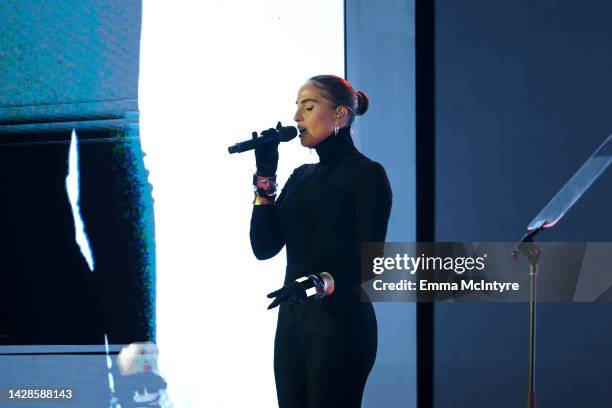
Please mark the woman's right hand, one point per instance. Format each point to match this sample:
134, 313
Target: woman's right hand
266, 154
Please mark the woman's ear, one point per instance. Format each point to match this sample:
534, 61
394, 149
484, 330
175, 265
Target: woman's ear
342, 114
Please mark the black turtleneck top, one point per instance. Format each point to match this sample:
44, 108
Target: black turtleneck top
324, 212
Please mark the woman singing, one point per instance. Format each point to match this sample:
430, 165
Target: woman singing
324, 349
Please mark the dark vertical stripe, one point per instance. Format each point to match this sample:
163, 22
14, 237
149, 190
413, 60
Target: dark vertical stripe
425, 184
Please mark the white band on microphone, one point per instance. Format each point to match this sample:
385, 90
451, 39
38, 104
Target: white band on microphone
311, 291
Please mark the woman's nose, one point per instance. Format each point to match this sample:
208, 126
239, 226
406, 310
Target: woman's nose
297, 117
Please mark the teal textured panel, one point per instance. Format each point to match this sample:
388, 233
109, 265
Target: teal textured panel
68, 51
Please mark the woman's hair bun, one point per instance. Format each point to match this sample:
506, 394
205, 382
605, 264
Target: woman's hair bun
363, 102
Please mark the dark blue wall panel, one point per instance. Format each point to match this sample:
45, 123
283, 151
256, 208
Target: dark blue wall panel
522, 99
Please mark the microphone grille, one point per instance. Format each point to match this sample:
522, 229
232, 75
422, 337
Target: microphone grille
287, 133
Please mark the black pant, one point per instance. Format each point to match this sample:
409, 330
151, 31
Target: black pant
323, 353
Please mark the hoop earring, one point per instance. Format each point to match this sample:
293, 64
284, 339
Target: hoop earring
336, 129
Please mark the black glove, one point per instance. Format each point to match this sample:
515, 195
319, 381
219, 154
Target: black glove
292, 292
266, 154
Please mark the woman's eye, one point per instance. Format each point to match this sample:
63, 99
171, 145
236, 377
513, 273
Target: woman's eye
310, 108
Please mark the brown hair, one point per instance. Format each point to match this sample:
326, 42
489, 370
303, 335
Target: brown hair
341, 93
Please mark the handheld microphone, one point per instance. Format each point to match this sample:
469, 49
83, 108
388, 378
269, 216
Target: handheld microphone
314, 286
281, 133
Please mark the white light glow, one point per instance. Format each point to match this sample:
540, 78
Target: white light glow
210, 74
72, 188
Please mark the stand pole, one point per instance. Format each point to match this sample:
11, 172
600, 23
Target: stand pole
533, 269
528, 248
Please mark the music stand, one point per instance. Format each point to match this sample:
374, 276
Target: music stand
547, 218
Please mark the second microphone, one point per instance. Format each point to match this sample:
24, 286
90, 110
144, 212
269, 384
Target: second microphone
314, 286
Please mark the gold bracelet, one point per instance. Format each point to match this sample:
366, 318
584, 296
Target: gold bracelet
262, 201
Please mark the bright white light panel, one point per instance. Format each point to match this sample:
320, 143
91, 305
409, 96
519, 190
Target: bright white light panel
211, 73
